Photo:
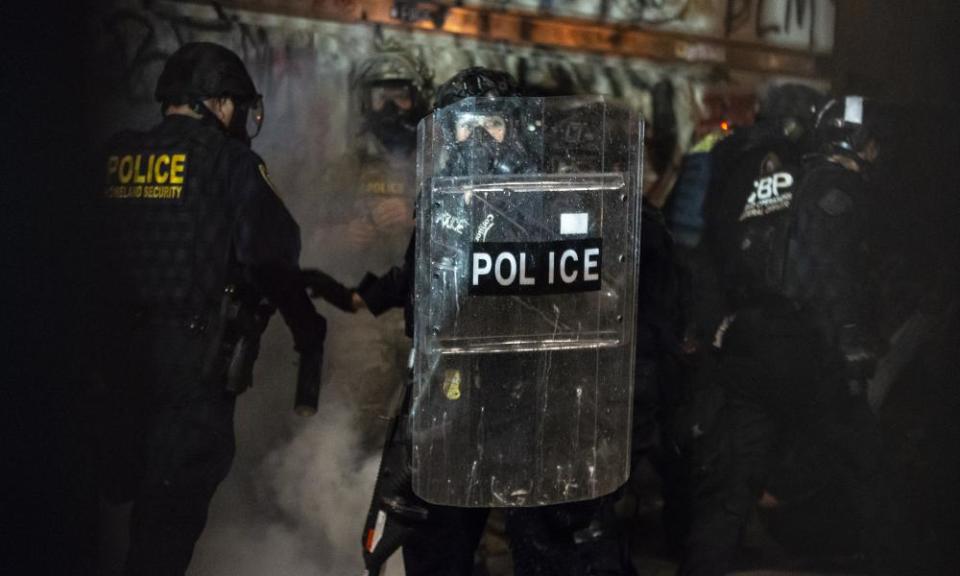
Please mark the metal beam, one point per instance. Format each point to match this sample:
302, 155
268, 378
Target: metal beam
557, 32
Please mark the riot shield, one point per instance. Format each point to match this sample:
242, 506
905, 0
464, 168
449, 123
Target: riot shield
527, 261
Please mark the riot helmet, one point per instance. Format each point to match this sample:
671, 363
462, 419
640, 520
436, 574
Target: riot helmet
475, 82
792, 110
486, 134
201, 70
393, 89
848, 126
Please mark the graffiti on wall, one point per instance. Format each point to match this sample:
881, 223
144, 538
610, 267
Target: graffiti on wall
767, 18
136, 37
794, 23
136, 41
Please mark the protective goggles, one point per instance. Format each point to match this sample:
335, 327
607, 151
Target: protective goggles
494, 124
400, 94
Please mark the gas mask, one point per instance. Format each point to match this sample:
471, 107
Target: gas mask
391, 116
480, 152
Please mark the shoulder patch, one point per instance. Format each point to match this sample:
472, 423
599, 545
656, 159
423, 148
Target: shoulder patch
266, 177
835, 202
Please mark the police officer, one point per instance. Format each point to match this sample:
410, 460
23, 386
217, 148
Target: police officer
374, 184
394, 92
194, 240
365, 218
436, 540
796, 345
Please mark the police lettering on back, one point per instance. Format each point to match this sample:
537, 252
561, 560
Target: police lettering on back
156, 176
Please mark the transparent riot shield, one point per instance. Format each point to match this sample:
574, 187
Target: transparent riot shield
527, 260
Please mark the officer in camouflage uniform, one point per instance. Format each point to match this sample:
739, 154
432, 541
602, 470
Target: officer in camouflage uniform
192, 241
797, 345
368, 218
372, 188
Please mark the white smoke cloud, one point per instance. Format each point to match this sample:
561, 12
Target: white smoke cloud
306, 516
297, 497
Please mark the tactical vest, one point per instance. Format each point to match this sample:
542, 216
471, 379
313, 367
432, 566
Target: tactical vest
169, 220
756, 212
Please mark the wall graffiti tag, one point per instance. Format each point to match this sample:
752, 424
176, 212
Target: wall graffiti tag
140, 40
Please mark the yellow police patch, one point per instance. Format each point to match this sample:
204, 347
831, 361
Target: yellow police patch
152, 176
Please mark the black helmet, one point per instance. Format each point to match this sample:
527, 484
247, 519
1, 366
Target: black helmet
845, 125
200, 70
476, 81
792, 108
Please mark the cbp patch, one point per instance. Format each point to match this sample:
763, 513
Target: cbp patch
147, 176
772, 190
770, 194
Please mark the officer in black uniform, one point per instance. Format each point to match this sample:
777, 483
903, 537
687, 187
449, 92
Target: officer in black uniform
193, 243
436, 540
796, 345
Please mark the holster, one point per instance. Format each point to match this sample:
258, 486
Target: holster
251, 323
235, 342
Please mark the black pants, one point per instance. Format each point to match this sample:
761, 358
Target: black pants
782, 385
169, 462
575, 539
189, 450
542, 542
167, 441
445, 545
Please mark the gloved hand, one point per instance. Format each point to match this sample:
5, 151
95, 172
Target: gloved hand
322, 285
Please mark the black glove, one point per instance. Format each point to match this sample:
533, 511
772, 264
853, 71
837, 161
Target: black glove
322, 285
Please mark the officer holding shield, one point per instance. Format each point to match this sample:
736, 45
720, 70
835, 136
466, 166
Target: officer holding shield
436, 539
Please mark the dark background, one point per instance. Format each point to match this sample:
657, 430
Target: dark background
901, 50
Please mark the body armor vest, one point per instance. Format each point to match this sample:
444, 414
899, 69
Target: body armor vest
757, 210
169, 219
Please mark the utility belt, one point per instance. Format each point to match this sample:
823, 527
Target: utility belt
188, 320
768, 313
226, 337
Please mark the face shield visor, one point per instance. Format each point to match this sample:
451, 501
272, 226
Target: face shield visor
254, 117
247, 119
